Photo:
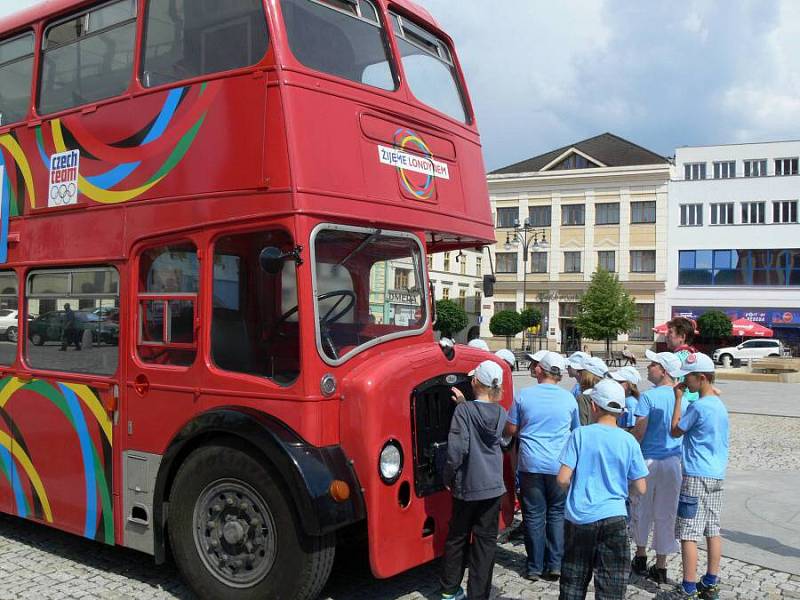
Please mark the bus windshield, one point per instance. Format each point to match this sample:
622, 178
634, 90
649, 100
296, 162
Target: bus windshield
370, 288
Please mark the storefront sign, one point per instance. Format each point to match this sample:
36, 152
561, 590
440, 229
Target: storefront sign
769, 317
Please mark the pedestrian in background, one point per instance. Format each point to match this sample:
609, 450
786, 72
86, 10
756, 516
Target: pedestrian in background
704, 428
543, 417
657, 508
474, 474
629, 379
680, 335
601, 462
594, 371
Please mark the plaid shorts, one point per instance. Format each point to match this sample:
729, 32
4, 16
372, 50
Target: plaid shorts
699, 507
600, 549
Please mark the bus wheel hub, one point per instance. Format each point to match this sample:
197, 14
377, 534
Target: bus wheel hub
234, 533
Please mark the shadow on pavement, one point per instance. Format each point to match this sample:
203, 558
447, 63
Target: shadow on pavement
767, 544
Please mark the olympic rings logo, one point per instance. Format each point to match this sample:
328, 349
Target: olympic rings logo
402, 139
63, 194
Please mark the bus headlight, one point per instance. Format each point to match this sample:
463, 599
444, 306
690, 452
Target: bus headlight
390, 463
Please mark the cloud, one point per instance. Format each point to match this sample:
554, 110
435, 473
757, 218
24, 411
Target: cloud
11, 6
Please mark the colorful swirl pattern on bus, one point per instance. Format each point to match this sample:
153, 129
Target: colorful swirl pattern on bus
403, 138
80, 407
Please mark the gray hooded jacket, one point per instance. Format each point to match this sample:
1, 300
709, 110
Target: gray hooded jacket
474, 468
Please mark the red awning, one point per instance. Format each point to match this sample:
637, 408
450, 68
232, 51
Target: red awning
747, 328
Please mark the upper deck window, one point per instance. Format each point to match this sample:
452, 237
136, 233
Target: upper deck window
341, 37
16, 73
429, 68
185, 39
88, 57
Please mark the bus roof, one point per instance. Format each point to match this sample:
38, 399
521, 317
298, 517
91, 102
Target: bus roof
49, 8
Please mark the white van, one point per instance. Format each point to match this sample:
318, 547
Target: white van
751, 349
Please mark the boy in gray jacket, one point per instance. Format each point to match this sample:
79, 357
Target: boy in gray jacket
474, 474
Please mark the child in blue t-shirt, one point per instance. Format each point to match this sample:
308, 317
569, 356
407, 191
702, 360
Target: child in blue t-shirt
629, 378
704, 428
599, 464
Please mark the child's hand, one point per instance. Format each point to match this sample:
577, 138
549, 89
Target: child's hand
716, 390
458, 396
679, 389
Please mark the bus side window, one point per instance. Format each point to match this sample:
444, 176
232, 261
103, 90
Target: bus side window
168, 287
9, 320
254, 328
16, 73
185, 39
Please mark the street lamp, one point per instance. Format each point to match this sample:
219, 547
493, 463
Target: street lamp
531, 238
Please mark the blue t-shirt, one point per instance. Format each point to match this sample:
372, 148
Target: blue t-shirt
705, 439
576, 390
658, 405
545, 414
604, 460
628, 418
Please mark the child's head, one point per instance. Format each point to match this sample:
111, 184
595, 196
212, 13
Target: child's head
698, 370
575, 364
663, 367
487, 380
594, 370
587, 380
680, 332
551, 367
629, 378
608, 399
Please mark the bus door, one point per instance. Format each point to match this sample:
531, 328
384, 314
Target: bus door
60, 411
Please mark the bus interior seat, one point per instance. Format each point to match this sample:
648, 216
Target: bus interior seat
231, 346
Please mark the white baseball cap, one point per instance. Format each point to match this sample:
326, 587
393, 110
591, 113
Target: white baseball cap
670, 362
506, 355
629, 374
576, 360
595, 366
696, 363
478, 343
608, 395
536, 356
489, 373
553, 363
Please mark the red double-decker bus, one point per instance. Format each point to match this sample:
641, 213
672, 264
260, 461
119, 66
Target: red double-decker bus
215, 219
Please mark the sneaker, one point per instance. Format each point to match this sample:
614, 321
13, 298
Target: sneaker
707, 592
459, 595
532, 576
657, 575
639, 565
551, 575
681, 593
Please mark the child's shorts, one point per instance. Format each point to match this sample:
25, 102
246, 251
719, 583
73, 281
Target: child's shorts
699, 507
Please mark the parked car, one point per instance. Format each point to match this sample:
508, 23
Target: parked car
9, 325
50, 326
751, 349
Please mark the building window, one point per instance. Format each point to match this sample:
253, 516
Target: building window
575, 161
645, 321
643, 212
694, 171
774, 267
607, 213
538, 262
643, 261
501, 306
722, 214
755, 168
506, 262
572, 214
725, 169
462, 263
784, 211
478, 266
607, 260
401, 279
753, 212
539, 216
507, 217
691, 215
446, 293
786, 166
430, 262
447, 262
462, 299
572, 262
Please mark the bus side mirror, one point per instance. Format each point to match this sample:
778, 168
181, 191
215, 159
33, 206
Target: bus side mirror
271, 259
488, 285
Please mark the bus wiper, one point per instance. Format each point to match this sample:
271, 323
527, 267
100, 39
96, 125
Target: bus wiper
368, 240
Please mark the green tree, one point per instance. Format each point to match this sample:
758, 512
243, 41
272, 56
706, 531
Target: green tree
714, 325
450, 318
606, 309
531, 317
507, 323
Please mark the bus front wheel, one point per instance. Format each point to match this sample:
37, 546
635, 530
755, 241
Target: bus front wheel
234, 534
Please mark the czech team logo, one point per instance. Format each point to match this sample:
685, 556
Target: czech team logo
63, 182
417, 169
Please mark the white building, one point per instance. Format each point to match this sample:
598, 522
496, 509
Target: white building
457, 276
599, 202
734, 238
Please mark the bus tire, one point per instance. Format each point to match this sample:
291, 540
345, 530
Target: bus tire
234, 535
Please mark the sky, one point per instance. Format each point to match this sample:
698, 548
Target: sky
544, 74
